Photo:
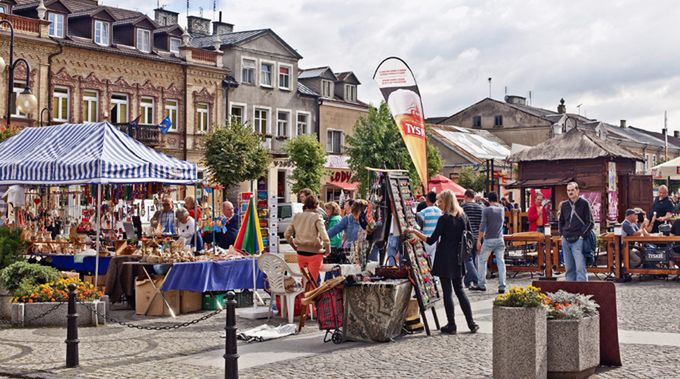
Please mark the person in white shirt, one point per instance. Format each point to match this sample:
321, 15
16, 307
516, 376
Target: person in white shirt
186, 225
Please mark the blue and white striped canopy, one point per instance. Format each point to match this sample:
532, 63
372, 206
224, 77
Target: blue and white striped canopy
86, 153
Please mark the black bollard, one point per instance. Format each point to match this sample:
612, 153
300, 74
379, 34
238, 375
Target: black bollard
230, 354
72, 329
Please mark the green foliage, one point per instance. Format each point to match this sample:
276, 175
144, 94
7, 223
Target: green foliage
309, 158
518, 297
12, 246
6, 132
234, 154
471, 179
26, 274
376, 141
563, 305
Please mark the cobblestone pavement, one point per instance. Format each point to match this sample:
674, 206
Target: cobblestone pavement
119, 352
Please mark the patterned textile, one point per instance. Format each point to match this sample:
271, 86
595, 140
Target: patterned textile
375, 311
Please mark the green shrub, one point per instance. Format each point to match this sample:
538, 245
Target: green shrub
27, 274
12, 247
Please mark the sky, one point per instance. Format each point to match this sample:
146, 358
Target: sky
616, 59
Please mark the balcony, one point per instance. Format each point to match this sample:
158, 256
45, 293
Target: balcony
149, 135
25, 25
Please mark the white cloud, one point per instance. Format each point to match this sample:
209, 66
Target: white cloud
617, 58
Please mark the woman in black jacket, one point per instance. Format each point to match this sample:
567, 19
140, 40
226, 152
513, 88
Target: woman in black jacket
448, 265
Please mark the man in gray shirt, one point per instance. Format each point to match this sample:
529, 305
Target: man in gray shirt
491, 231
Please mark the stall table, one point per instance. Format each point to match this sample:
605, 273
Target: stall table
209, 276
67, 262
375, 311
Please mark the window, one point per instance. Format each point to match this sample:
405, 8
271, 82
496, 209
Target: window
350, 93
334, 141
248, 71
333, 194
653, 160
284, 77
146, 105
171, 110
477, 121
237, 113
56, 28
18, 88
90, 106
498, 121
261, 119
101, 33
326, 88
202, 110
119, 110
266, 71
2, 9
144, 40
282, 122
60, 104
302, 123
174, 45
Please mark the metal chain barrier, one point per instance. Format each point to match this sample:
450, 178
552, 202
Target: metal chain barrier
153, 328
54, 308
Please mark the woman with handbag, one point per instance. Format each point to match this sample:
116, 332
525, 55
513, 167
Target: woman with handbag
449, 261
307, 235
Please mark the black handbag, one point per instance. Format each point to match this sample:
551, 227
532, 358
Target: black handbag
466, 241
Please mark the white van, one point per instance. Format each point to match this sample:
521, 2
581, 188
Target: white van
285, 216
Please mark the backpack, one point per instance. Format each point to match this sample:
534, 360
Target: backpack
466, 241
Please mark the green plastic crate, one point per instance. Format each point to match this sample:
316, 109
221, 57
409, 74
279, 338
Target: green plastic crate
211, 299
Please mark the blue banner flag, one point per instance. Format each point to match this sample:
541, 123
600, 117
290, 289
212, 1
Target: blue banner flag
165, 125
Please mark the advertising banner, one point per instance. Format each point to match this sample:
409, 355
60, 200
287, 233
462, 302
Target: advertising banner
398, 87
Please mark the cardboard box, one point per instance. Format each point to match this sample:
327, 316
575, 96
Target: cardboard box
70, 274
101, 281
191, 301
144, 293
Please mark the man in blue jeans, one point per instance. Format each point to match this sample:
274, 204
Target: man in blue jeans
576, 221
491, 231
473, 211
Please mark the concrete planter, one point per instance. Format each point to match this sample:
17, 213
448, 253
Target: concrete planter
573, 347
5, 304
519, 343
23, 314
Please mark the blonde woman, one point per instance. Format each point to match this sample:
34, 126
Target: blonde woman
449, 265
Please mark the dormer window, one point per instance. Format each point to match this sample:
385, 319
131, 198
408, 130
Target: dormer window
326, 88
3, 8
101, 33
144, 40
56, 28
174, 45
350, 93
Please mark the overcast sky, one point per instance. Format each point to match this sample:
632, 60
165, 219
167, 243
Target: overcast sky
619, 59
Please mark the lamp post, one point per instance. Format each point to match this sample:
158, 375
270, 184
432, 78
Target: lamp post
26, 102
41, 115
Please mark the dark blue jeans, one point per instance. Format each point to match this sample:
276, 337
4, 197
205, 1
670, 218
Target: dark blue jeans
471, 268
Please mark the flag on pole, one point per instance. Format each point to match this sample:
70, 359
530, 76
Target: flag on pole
399, 88
249, 237
165, 125
135, 123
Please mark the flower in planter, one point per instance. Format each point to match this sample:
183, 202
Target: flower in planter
56, 291
528, 296
563, 305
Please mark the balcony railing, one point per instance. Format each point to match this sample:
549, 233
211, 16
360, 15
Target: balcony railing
147, 134
22, 24
202, 55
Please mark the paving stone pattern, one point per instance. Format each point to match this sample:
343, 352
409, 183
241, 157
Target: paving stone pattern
120, 352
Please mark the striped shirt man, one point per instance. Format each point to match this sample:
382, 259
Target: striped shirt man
430, 215
473, 211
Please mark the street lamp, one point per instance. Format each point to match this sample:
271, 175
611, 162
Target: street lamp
41, 115
26, 101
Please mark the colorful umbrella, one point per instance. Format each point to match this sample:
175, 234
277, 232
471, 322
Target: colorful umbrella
249, 238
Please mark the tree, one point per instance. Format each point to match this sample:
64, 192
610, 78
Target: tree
309, 159
234, 154
471, 179
376, 141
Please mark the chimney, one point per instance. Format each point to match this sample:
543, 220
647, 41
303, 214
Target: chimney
165, 17
220, 27
561, 109
623, 124
676, 134
198, 26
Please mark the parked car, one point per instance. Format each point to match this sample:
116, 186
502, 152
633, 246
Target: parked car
286, 213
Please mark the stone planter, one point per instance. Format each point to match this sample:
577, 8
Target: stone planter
23, 314
519, 343
5, 304
573, 347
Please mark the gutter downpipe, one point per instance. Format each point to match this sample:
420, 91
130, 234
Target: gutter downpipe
49, 78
